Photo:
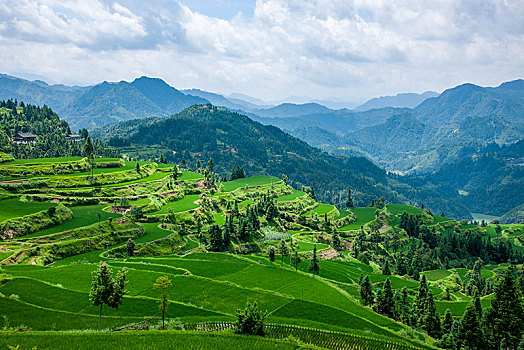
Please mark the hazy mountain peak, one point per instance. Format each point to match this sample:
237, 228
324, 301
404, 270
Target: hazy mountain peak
402, 100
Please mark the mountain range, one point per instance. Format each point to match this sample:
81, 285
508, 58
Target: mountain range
426, 138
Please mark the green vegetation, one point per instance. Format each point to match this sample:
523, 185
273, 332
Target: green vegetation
210, 240
364, 216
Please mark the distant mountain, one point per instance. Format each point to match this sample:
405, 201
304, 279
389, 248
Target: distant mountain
469, 100
407, 100
514, 216
231, 139
219, 100
247, 98
291, 110
334, 103
491, 181
38, 92
101, 104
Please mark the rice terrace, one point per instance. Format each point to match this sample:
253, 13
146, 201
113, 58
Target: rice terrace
155, 220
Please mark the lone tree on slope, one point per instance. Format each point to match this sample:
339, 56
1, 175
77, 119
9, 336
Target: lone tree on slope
107, 290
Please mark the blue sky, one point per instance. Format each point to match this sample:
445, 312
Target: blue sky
221, 8
350, 50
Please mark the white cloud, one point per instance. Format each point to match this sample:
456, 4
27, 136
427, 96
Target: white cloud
319, 48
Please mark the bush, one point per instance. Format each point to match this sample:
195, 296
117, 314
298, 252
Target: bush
250, 320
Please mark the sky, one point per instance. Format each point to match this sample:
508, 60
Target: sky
348, 50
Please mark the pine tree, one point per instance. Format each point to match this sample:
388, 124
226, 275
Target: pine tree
447, 323
430, 320
313, 266
385, 269
215, 238
505, 319
366, 291
349, 200
476, 302
335, 241
470, 332
386, 306
420, 299
271, 252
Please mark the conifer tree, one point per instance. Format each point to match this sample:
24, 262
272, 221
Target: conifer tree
447, 323
271, 252
385, 269
283, 251
313, 266
470, 332
366, 291
215, 238
130, 247
349, 200
505, 319
430, 320
420, 298
386, 306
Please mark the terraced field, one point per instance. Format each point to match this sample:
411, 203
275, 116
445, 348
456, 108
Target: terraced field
45, 276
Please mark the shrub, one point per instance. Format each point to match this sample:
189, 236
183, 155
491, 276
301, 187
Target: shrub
250, 320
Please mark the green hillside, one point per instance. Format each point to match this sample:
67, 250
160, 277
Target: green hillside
230, 139
45, 271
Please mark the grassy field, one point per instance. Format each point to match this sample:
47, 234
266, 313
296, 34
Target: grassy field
187, 203
321, 209
291, 197
400, 208
188, 175
14, 207
249, 181
206, 286
82, 216
364, 215
140, 340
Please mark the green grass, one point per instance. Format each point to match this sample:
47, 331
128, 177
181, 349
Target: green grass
436, 275
98, 171
13, 207
291, 197
343, 214
5, 255
153, 232
364, 215
60, 299
249, 181
321, 209
184, 204
220, 219
140, 340
400, 208
84, 215
188, 175
308, 246
43, 160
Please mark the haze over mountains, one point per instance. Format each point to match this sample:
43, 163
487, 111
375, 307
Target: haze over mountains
424, 136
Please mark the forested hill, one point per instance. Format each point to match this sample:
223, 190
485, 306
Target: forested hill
205, 131
49, 129
101, 104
